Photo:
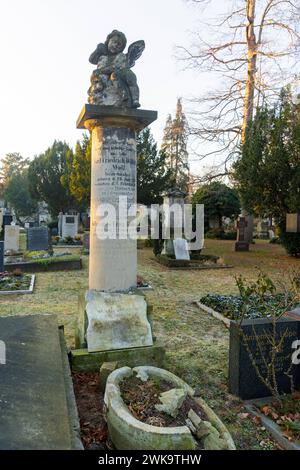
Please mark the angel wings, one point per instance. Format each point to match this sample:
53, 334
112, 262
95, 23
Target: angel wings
135, 51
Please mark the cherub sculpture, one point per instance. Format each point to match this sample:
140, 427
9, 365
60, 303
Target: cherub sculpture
112, 82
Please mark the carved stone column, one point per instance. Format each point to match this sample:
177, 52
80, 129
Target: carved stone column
116, 316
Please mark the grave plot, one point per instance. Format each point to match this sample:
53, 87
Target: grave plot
16, 283
37, 405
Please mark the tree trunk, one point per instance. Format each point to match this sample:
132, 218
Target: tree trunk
250, 88
251, 69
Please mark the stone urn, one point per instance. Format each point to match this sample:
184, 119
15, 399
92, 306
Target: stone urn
128, 433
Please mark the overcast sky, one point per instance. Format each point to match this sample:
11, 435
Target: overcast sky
45, 46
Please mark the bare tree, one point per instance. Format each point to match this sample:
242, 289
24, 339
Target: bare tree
252, 49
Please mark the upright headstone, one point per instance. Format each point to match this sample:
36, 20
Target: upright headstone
293, 223
181, 249
1, 257
38, 239
242, 244
69, 225
172, 199
11, 237
250, 356
7, 219
113, 120
86, 240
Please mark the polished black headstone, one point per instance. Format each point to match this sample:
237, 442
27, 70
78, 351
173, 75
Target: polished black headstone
244, 380
7, 219
38, 239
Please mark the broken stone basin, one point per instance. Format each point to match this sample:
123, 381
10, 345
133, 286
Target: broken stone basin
128, 433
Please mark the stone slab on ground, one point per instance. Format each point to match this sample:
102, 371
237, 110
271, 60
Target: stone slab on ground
33, 404
83, 361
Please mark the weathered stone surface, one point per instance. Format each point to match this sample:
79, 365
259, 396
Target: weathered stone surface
142, 375
196, 420
205, 431
116, 321
11, 237
37, 239
172, 401
33, 404
113, 258
68, 225
105, 370
113, 83
83, 361
127, 433
181, 249
213, 441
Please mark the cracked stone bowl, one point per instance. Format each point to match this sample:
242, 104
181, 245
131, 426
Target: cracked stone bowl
128, 433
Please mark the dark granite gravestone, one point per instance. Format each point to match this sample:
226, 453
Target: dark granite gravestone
7, 219
243, 378
242, 244
38, 239
86, 240
1, 257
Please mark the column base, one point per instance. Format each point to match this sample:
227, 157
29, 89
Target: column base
112, 321
84, 361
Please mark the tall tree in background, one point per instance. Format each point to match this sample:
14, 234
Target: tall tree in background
174, 146
254, 52
11, 164
78, 177
18, 196
45, 176
153, 176
268, 173
219, 201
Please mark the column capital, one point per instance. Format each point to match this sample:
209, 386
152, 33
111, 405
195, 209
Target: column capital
109, 116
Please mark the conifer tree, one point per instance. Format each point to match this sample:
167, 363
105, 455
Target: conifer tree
174, 146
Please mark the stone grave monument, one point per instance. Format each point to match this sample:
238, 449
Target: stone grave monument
242, 243
38, 239
11, 237
7, 219
113, 315
68, 225
181, 249
171, 198
293, 223
251, 352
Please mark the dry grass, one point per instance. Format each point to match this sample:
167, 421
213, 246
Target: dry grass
196, 344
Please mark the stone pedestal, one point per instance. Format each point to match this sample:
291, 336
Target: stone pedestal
112, 261
111, 316
116, 321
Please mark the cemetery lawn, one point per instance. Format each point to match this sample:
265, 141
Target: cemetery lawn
196, 344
